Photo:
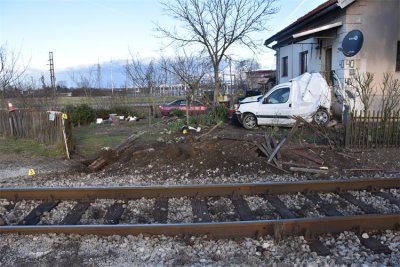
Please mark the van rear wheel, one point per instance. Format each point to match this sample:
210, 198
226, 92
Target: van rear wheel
321, 117
249, 121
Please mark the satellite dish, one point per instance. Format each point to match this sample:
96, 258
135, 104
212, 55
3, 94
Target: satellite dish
352, 43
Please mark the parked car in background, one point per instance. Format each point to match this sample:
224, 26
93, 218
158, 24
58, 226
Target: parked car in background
195, 108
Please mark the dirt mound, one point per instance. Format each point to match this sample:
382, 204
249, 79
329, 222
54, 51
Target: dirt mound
231, 151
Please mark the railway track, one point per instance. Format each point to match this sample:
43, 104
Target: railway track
221, 211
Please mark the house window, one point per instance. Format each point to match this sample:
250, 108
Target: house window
398, 57
284, 66
303, 62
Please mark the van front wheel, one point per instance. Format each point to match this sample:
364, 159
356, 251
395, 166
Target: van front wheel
321, 117
249, 121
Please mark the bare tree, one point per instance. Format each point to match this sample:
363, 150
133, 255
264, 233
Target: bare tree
364, 88
190, 70
86, 80
216, 25
390, 95
11, 68
142, 76
243, 67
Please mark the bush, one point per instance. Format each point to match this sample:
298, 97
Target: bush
125, 111
177, 113
175, 125
202, 119
219, 113
81, 114
103, 113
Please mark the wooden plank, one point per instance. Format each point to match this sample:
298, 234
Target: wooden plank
114, 213
268, 147
103, 161
297, 169
319, 248
389, 197
359, 130
200, 210
74, 216
377, 130
368, 130
375, 245
160, 212
276, 150
369, 209
278, 154
308, 156
325, 207
280, 207
383, 136
261, 148
34, 216
243, 209
398, 129
347, 138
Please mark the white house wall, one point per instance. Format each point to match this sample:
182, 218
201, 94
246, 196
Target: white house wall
293, 54
380, 24
379, 21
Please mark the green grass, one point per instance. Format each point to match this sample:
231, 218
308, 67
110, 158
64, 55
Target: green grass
90, 139
30, 148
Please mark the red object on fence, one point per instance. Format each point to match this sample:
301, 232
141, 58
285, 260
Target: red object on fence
10, 106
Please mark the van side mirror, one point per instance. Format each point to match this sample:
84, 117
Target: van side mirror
265, 100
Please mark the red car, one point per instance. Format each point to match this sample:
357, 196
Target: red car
196, 107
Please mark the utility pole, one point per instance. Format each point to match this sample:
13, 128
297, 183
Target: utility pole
52, 76
111, 77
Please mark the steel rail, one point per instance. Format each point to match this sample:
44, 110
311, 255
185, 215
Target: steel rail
277, 228
206, 190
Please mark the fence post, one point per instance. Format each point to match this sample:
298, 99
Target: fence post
348, 132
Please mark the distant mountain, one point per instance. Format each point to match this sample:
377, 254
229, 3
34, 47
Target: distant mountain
112, 74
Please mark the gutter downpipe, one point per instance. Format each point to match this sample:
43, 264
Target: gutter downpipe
276, 61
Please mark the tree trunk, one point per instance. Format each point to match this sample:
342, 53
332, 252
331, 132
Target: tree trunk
216, 85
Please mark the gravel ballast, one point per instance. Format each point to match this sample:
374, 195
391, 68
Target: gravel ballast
74, 250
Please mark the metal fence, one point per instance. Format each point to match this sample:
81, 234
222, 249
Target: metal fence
373, 130
44, 126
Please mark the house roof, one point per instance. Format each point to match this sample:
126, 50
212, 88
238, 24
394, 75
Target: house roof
313, 14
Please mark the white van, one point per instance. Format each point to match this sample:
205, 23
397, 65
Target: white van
307, 96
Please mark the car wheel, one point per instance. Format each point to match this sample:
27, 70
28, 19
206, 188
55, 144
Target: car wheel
321, 117
249, 121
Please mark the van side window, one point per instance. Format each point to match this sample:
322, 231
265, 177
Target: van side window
279, 96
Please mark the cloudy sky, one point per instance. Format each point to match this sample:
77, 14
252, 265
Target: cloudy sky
85, 32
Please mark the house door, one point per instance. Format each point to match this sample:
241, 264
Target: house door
328, 65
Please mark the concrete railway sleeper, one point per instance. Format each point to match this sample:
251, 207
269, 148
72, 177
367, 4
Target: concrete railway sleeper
221, 211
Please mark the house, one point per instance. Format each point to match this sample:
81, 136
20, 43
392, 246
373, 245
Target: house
261, 79
324, 39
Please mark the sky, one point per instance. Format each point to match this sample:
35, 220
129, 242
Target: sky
87, 32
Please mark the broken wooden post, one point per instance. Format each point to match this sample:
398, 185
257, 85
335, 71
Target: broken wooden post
112, 155
276, 149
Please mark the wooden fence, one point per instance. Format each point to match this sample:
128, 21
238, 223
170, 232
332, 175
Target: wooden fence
372, 130
44, 126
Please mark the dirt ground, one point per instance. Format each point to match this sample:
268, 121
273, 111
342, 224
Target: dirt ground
227, 151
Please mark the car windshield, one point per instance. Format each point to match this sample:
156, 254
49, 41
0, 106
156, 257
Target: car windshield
176, 103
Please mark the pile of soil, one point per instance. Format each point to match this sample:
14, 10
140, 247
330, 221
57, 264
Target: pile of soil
230, 150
